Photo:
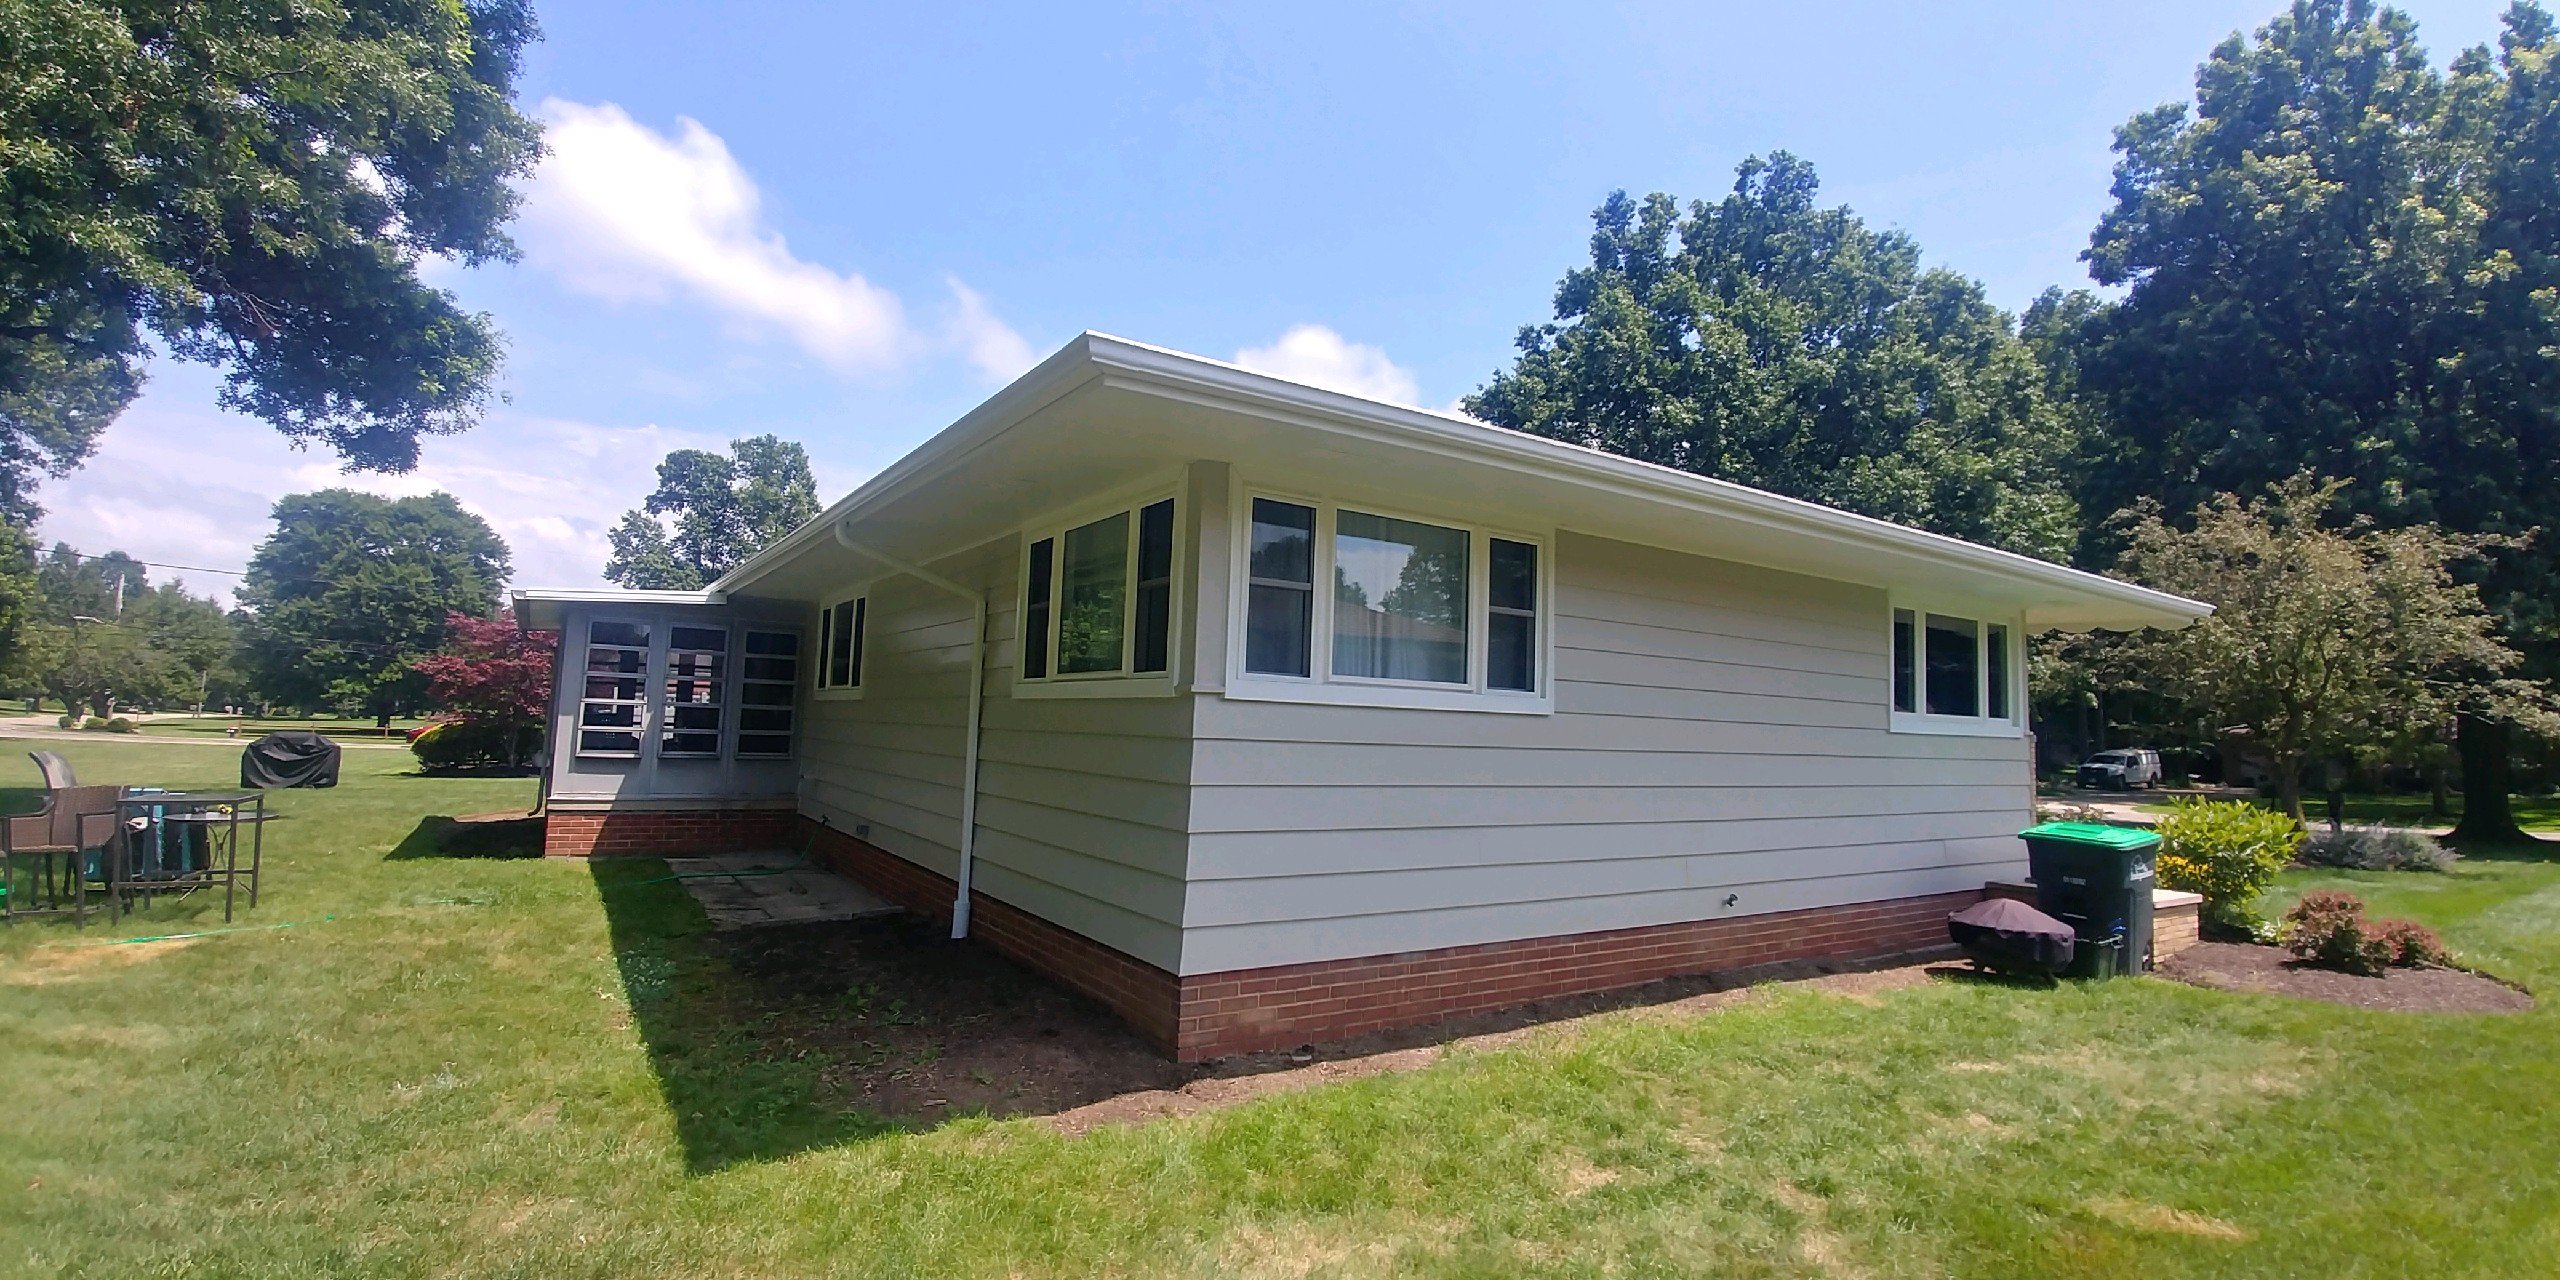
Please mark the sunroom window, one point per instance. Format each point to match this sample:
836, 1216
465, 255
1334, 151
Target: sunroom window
1952, 673
1098, 598
696, 691
768, 689
613, 706
1412, 610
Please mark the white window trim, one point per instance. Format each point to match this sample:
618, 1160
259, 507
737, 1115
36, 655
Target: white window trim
1125, 682
818, 686
1983, 726
1325, 687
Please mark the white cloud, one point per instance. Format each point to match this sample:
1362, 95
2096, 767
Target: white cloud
624, 212
173, 483
990, 344
1316, 355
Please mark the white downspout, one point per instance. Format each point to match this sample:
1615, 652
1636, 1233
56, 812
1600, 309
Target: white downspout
977, 699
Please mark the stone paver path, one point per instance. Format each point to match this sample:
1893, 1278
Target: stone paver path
736, 898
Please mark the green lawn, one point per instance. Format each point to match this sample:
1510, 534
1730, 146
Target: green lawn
447, 1068
217, 726
2533, 813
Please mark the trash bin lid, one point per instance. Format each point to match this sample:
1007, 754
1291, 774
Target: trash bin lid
2096, 834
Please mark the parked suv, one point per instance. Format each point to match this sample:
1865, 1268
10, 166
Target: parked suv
2121, 770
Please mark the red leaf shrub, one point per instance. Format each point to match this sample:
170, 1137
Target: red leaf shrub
494, 679
2328, 928
2412, 944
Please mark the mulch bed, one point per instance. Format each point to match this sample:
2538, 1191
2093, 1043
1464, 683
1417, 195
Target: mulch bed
2231, 966
918, 1028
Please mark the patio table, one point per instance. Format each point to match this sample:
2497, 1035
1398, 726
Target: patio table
188, 840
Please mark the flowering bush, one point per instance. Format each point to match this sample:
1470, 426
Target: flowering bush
2227, 850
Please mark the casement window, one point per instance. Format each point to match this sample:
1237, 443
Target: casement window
1954, 673
768, 690
1341, 603
842, 628
1097, 602
613, 706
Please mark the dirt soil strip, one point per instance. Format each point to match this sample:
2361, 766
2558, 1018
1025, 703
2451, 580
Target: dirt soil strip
1250, 1076
915, 1028
2231, 966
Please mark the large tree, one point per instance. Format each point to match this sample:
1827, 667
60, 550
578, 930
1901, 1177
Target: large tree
352, 589
253, 184
1772, 341
711, 511
2328, 633
2341, 260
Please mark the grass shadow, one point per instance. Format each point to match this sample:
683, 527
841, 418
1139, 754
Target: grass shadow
483, 836
2530, 849
738, 1086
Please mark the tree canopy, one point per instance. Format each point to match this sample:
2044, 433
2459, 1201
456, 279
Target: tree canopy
711, 511
254, 185
99, 633
352, 589
2327, 634
1768, 340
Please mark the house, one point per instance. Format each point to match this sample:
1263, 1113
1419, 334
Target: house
1264, 714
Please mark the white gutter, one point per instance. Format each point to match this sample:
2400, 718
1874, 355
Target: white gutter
977, 699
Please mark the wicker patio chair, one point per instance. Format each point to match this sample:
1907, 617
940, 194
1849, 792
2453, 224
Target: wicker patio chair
75, 822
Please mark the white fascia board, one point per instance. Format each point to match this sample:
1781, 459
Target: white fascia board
1067, 368
540, 608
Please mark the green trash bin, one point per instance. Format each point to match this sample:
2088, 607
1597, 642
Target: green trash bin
2097, 879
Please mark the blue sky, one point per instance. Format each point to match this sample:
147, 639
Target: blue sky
848, 223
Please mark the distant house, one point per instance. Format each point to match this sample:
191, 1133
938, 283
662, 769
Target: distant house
1264, 714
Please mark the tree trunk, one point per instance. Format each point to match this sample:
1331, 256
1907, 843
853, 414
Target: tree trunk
2488, 814
2289, 787
2439, 791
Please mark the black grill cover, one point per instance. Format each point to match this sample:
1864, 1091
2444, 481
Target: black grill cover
2009, 935
292, 758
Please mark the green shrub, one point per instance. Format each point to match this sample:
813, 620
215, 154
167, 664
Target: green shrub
68, 722
123, 725
2229, 851
2376, 849
94, 722
467, 744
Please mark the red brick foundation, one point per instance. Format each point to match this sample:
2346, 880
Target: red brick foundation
1143, 995
1248, 1009
1239, 1011
576, 833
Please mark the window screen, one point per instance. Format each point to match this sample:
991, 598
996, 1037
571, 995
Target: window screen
1511, 615
1153, 613
1953, 653
1280, 590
